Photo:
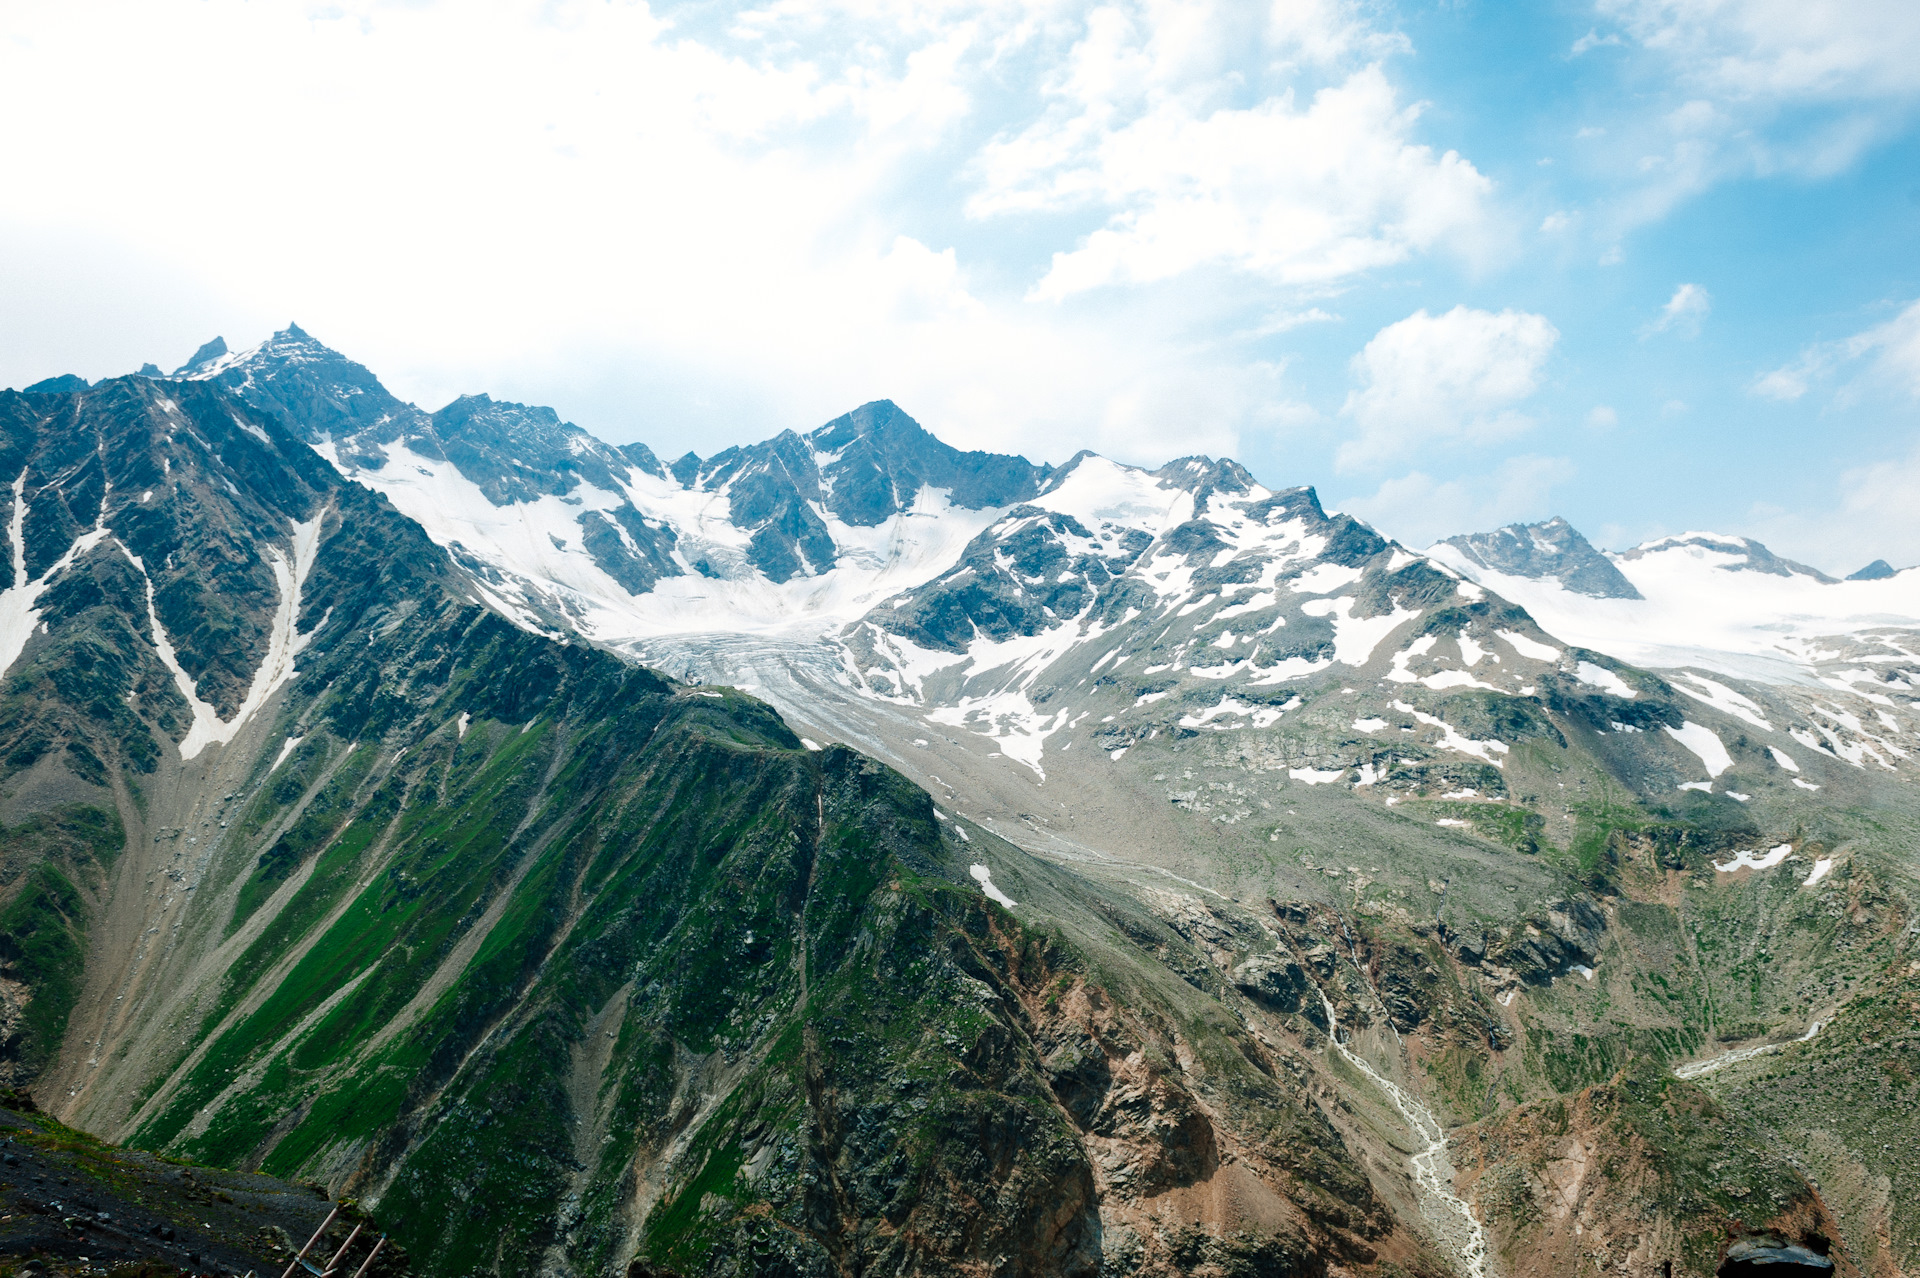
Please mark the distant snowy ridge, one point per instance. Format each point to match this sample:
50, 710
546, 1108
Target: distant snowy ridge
868, 563
1720, 603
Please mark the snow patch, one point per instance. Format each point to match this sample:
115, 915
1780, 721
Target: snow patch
1355, 638
1721, 698
18, 612
284, 643
1529, 647
1704, 743
1316, 776
984, 877
1323, 579
1756, 860
1604, 679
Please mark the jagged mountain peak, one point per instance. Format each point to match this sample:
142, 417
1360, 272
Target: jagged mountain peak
322, 396
207, 354
876, 417
875, 460
1552, 549
1878, 570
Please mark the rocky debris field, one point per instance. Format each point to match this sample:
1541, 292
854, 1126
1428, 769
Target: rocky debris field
72, 1204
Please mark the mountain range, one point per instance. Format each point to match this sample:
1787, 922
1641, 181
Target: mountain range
852, 854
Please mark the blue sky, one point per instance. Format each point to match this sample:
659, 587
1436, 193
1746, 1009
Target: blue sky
1650, 264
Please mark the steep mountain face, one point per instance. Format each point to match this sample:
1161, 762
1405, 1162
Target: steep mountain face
1247, 894
1552, 550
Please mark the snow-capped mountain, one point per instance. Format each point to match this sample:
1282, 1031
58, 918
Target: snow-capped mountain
1553, 551
885, 588
568, 533
1735, 626
1698, 599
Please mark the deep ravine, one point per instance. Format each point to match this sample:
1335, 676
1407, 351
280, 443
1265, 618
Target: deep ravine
1455, 1227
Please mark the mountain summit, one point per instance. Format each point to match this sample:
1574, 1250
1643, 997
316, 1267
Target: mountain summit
1552, 550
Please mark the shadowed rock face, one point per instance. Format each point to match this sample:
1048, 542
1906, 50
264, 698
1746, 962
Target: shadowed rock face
882, 458
863, 468
1552, 549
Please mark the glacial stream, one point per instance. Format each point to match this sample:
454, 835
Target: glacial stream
1700, 1069
1454, 1224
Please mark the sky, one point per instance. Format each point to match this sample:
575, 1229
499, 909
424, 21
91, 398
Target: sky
1653, 265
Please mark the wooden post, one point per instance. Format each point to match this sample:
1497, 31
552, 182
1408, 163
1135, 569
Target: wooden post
310, 1242
361, 1271
343, 1247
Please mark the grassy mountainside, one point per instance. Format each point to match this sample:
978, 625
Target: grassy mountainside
556, 960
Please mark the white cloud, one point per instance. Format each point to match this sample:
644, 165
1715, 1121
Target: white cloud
1439, 379
1785, 384
1148, 125
1738, 88
1417, 510
695, 223
1796, 50
1887, 355
1285, 321
1683, 313
1298, 197
1602, 417
1594, 40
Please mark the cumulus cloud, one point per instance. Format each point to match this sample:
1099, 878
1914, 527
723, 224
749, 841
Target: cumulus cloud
1885, 357
1417, 510
1683, 313
1440, 379
693, 223
1297, 195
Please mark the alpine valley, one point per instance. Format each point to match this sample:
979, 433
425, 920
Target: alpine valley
850, 855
